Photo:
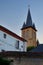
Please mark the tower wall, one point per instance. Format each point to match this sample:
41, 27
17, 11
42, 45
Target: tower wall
30, 35
29, 31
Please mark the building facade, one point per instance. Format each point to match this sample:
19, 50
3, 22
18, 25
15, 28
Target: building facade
16, 43
29, 31
9, 41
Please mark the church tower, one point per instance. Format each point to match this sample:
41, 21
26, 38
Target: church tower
29, 31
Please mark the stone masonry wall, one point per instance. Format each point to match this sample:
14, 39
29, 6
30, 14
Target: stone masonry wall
27, 61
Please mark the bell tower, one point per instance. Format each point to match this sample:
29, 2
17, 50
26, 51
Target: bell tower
29, 31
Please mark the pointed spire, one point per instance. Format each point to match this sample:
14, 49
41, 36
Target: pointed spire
34, 26
23, 25
29, 20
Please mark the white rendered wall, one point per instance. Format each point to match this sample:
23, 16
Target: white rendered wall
8, 44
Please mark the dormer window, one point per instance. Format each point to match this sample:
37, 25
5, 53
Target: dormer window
4, 35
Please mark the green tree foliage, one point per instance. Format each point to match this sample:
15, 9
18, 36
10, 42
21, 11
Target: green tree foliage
30, 48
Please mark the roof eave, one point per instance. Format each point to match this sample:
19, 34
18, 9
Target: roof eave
28, 27
11, 33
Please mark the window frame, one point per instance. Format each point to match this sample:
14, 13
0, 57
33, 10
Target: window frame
17, 44
4, 35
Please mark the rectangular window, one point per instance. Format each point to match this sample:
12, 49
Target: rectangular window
4, 35
17, 44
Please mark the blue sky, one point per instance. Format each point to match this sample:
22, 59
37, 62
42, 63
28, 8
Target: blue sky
14, 12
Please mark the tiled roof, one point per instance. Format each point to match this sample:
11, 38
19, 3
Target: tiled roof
11, 33
38, 49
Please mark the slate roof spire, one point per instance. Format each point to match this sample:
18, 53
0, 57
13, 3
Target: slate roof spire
29, 19
34, 26
23, 25
29, 22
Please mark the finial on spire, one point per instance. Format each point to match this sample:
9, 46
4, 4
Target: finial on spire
28, 6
